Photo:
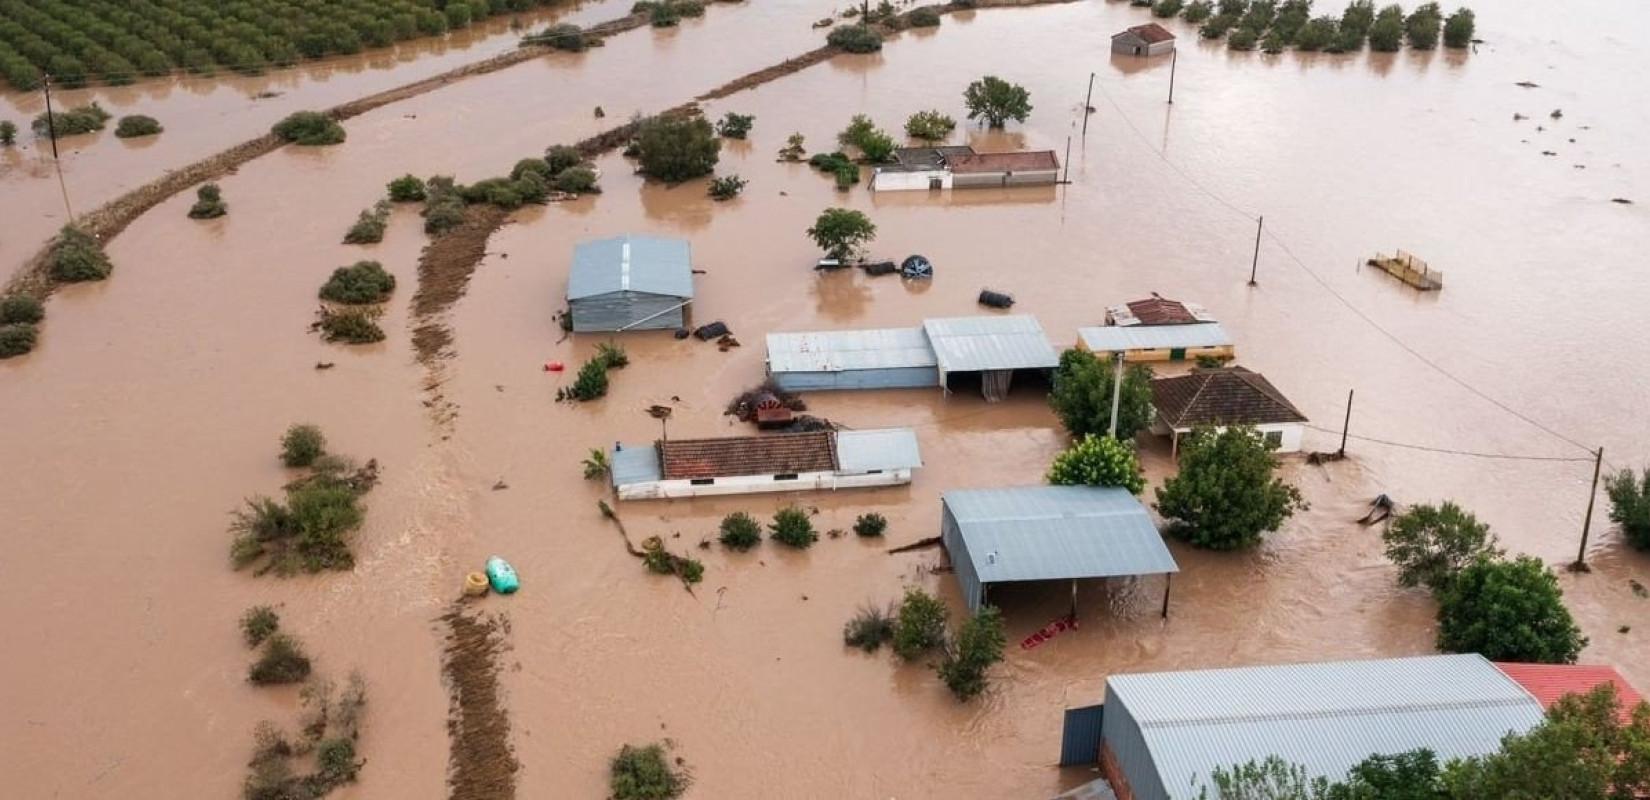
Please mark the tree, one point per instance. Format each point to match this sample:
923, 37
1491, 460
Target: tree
76, 256
1225, 494
407, 188
725, 187
1098, 461
1431, 544
1316, 34
924, 17
877, 147
920, 624
1410, 775
859, 127
559, 157
840, 232
1582, 751
674, 150
929, 126
735, 126
1386, 34
309, 128
854, 39
1421, 27
1630, 505
1082, 396
644, 773
1508, 611
208, 203
1269, 779
360, 283
8, 133
977, 644
16, 308
997, 101
1459, 28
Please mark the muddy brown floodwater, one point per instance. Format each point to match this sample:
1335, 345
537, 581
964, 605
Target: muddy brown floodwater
154, 402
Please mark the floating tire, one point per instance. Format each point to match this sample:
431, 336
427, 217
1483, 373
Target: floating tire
475, 584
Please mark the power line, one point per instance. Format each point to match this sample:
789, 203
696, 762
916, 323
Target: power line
1449, 451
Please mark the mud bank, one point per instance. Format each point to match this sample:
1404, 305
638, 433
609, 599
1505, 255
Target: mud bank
481, 765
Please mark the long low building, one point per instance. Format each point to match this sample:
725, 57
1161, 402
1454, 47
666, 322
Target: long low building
784, 462
1159, 342
959, 167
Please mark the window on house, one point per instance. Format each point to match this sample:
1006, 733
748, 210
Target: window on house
702, 481
1274, 439
788, 476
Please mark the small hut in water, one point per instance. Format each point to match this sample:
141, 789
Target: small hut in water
630, 282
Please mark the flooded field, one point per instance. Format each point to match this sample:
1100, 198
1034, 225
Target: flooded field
154, 402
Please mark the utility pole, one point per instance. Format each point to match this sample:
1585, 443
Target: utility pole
1255, 264
1587, 522
1068, 161
1347, 425
1116, 390
1088, 105
51, 129
1173, 60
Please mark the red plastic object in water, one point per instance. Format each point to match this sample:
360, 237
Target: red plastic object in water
553, 366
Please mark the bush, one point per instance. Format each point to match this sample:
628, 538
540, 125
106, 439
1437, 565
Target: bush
854, 39
877, 147
735, 126
689, 8
791, 526
208, 203
1225, 495
929, 126
1386, 34
1630, 505
664, 15
305, 534
302, 444
1197, 11
443, 205
76, 256
870, 629
21, 308
351, 325
1082, 396
17, 338
500, 192
137, 125
674, 150
1167, 9
840, 232
536, 166
611, 356
577, 180
726, 187
532, 188
282, 661
920, 625
739, 531
596, 465
644, 773
1508, 611
335, 760
871, 524
1459, 28
560, 157
309, 128
8, 132
1242, 39
589, 384
361, 282
370, 225
924, 17
1421, 27
1098, 461
407, 189
77, 120
1317, 34
1431, 544
562, 36
847, 174
977, 644
258, 624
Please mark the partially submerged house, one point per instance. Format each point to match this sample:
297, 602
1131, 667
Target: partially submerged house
1225, 396
1157, 310
1160, 735
784, 462
1158, 342
1150, 39
959, 167
1049, 533
630, 282
994, 348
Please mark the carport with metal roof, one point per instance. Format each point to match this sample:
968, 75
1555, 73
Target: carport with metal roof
1045, 533
993, 346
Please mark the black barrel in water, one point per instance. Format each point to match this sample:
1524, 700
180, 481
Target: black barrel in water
995, 299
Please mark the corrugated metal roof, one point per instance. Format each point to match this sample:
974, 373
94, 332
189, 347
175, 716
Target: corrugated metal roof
1029, 533
634, 463
973, 344
1326, 717
1115, 338
1549, 682
882, 449
650, 264
838, 351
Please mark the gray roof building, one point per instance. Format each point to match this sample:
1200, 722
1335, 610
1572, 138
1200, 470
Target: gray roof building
993, 346
629, 282
889, 358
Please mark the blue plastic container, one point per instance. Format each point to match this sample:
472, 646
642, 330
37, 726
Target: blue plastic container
502, 576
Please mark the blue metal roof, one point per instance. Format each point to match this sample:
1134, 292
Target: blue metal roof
1118, 338
1030, 533
634, 464
633, 263
976, 344
883, 449
839, 351
1326, 717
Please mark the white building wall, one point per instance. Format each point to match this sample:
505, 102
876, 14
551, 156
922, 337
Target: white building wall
1291, 433
755, 484
901, 181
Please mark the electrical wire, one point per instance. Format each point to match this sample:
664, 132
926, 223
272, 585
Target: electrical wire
1449, 451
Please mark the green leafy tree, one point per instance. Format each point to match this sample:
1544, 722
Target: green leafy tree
977, 644
1508, 611
870, 524
1082, 396
725, 187
854, 39
1421, 26
1197, 12
929, 126
359, 283
310, 128
1225, 495
791, 526
1584, 750
1630, 505
1430, 544
137, 125
407, 189
1459, 28
1098, 461
841, 232
1386, 34
17, 338
997, 101
676, 149
560, 157
208, 203
1316, 34
920, 624
1167, 9
859, 127
877, 147
8, 132
735, 126
1271, 778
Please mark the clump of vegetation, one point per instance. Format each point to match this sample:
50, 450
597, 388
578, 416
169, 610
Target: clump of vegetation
350, 325
76, 256
739, 531
870, 524
855, 39
977, 644
501, 192
1422, 26
726, 187
1225, 494
663, 14
920, 625
869, 629
596, 466
794, 148
841, 232
258, 624
301, 445
929, 126
137, 125
443, 205
591, 381
208, 203
16, 308
282, 660
8, 133
560, 157
1459, 28
1386, 34
17, 338
735, 126
875, 145
77, 120
1098, 461
676, 149
1630, 505
369, 226
330, 728
1590, 746
407, 189
1082, 393
792, 527
1431, 544
663, 562
997, 101
924, 17
612, 356
1508, 611
359, 283
645, 773
577, 180
309, 128
561, 36
309, 531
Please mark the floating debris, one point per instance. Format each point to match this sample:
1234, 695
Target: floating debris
711, 331
1517, 116
1622, 200
991, 299
1410, 270
324, 365
1527, 84
1558, 113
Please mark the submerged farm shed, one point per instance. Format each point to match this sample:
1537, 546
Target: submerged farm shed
994, 347
1160, 735
1046, 533
887, 358
630, 282
1150, 39
784, 462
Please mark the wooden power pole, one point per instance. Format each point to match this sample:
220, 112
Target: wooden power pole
1587, 521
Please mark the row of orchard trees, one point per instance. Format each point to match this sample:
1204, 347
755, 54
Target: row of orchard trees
1273, 25
115, 41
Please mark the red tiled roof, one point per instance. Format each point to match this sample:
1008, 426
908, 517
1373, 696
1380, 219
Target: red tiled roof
1030, 161
778, 454
1548, 682
1151, 33
1226, 396
1161, 311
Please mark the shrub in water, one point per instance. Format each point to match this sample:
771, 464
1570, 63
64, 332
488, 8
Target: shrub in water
16, 338
589, 384
351, 325
560, 157
80, 119
792, 527
644, 773
869, 629
726, 187
739, 531
735, 126
499, 192
406, 189
676, 149
361, 282
208, 203
8, 132
309, 128
443, 205
537, 166
76, 256
920, 626
665, 15
137, 125
577, 180
689, 8
258, 624
533, 188
282, 661
302, 444
929, 126
977, 645
596, 466
872, 524
369, 227
611, 356
562, 36
925, 17
335, 759
20, 308
855, 39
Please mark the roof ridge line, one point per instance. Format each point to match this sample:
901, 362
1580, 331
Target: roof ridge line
1368, 711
